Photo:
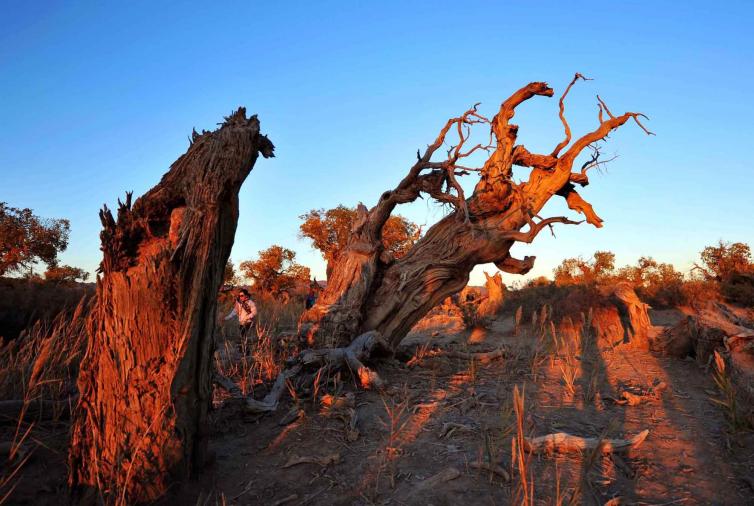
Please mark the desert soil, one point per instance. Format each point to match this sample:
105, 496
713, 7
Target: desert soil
418, 441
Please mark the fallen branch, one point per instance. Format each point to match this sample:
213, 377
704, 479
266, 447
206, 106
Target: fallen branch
447, 474
566, 443
284, 500
481, 357
628, 398
492, 468
323, 461
449, 428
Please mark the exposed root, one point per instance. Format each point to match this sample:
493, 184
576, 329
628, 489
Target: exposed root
328, 359
566, 443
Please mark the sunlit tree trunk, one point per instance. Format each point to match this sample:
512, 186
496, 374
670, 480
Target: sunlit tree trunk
492, 305
368, 290
145, 381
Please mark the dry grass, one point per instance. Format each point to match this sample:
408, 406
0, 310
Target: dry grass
728, 399
41, 365
43, 362
523, 492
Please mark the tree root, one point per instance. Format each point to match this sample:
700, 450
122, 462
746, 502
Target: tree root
566, 443
325, 360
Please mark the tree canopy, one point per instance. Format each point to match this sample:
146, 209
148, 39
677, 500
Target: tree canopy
724, 259
26, 239
330, 229
578, 270
65, 274
275, 270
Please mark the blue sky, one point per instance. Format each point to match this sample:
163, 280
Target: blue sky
99, 98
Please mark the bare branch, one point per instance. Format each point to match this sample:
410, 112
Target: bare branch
536, 228
604, 106
567, 128
566, 161
578, 204
636, 119
515, 266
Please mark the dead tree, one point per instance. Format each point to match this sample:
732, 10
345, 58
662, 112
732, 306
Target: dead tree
495, 294
369, 290
145, 382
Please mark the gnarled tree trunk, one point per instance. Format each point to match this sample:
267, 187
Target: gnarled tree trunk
145, 381
368, 290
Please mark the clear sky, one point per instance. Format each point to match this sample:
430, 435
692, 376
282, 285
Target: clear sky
99, 98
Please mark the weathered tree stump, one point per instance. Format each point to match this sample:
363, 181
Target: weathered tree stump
145, 382
622, 319
490, 307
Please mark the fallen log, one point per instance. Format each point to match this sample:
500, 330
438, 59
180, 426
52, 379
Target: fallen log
483, 357
561, 442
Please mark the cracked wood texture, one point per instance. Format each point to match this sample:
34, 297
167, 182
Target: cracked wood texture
145, 381
368, 290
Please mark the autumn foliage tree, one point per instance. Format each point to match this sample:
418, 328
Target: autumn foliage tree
577, 270
724, 259
729, 267
275, 271
65, 274
330, 230
369, 290
656, 282
26, 239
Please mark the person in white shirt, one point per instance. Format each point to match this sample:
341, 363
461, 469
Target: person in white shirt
245, 310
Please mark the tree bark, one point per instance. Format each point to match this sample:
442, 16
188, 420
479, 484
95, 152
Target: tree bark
145, 381
368, 290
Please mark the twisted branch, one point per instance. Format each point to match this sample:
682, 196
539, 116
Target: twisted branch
567, 128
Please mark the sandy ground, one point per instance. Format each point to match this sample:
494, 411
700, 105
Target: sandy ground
417, 442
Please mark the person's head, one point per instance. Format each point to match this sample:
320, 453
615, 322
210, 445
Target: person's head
243, 294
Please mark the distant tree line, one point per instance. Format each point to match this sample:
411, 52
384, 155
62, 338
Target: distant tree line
726, 268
